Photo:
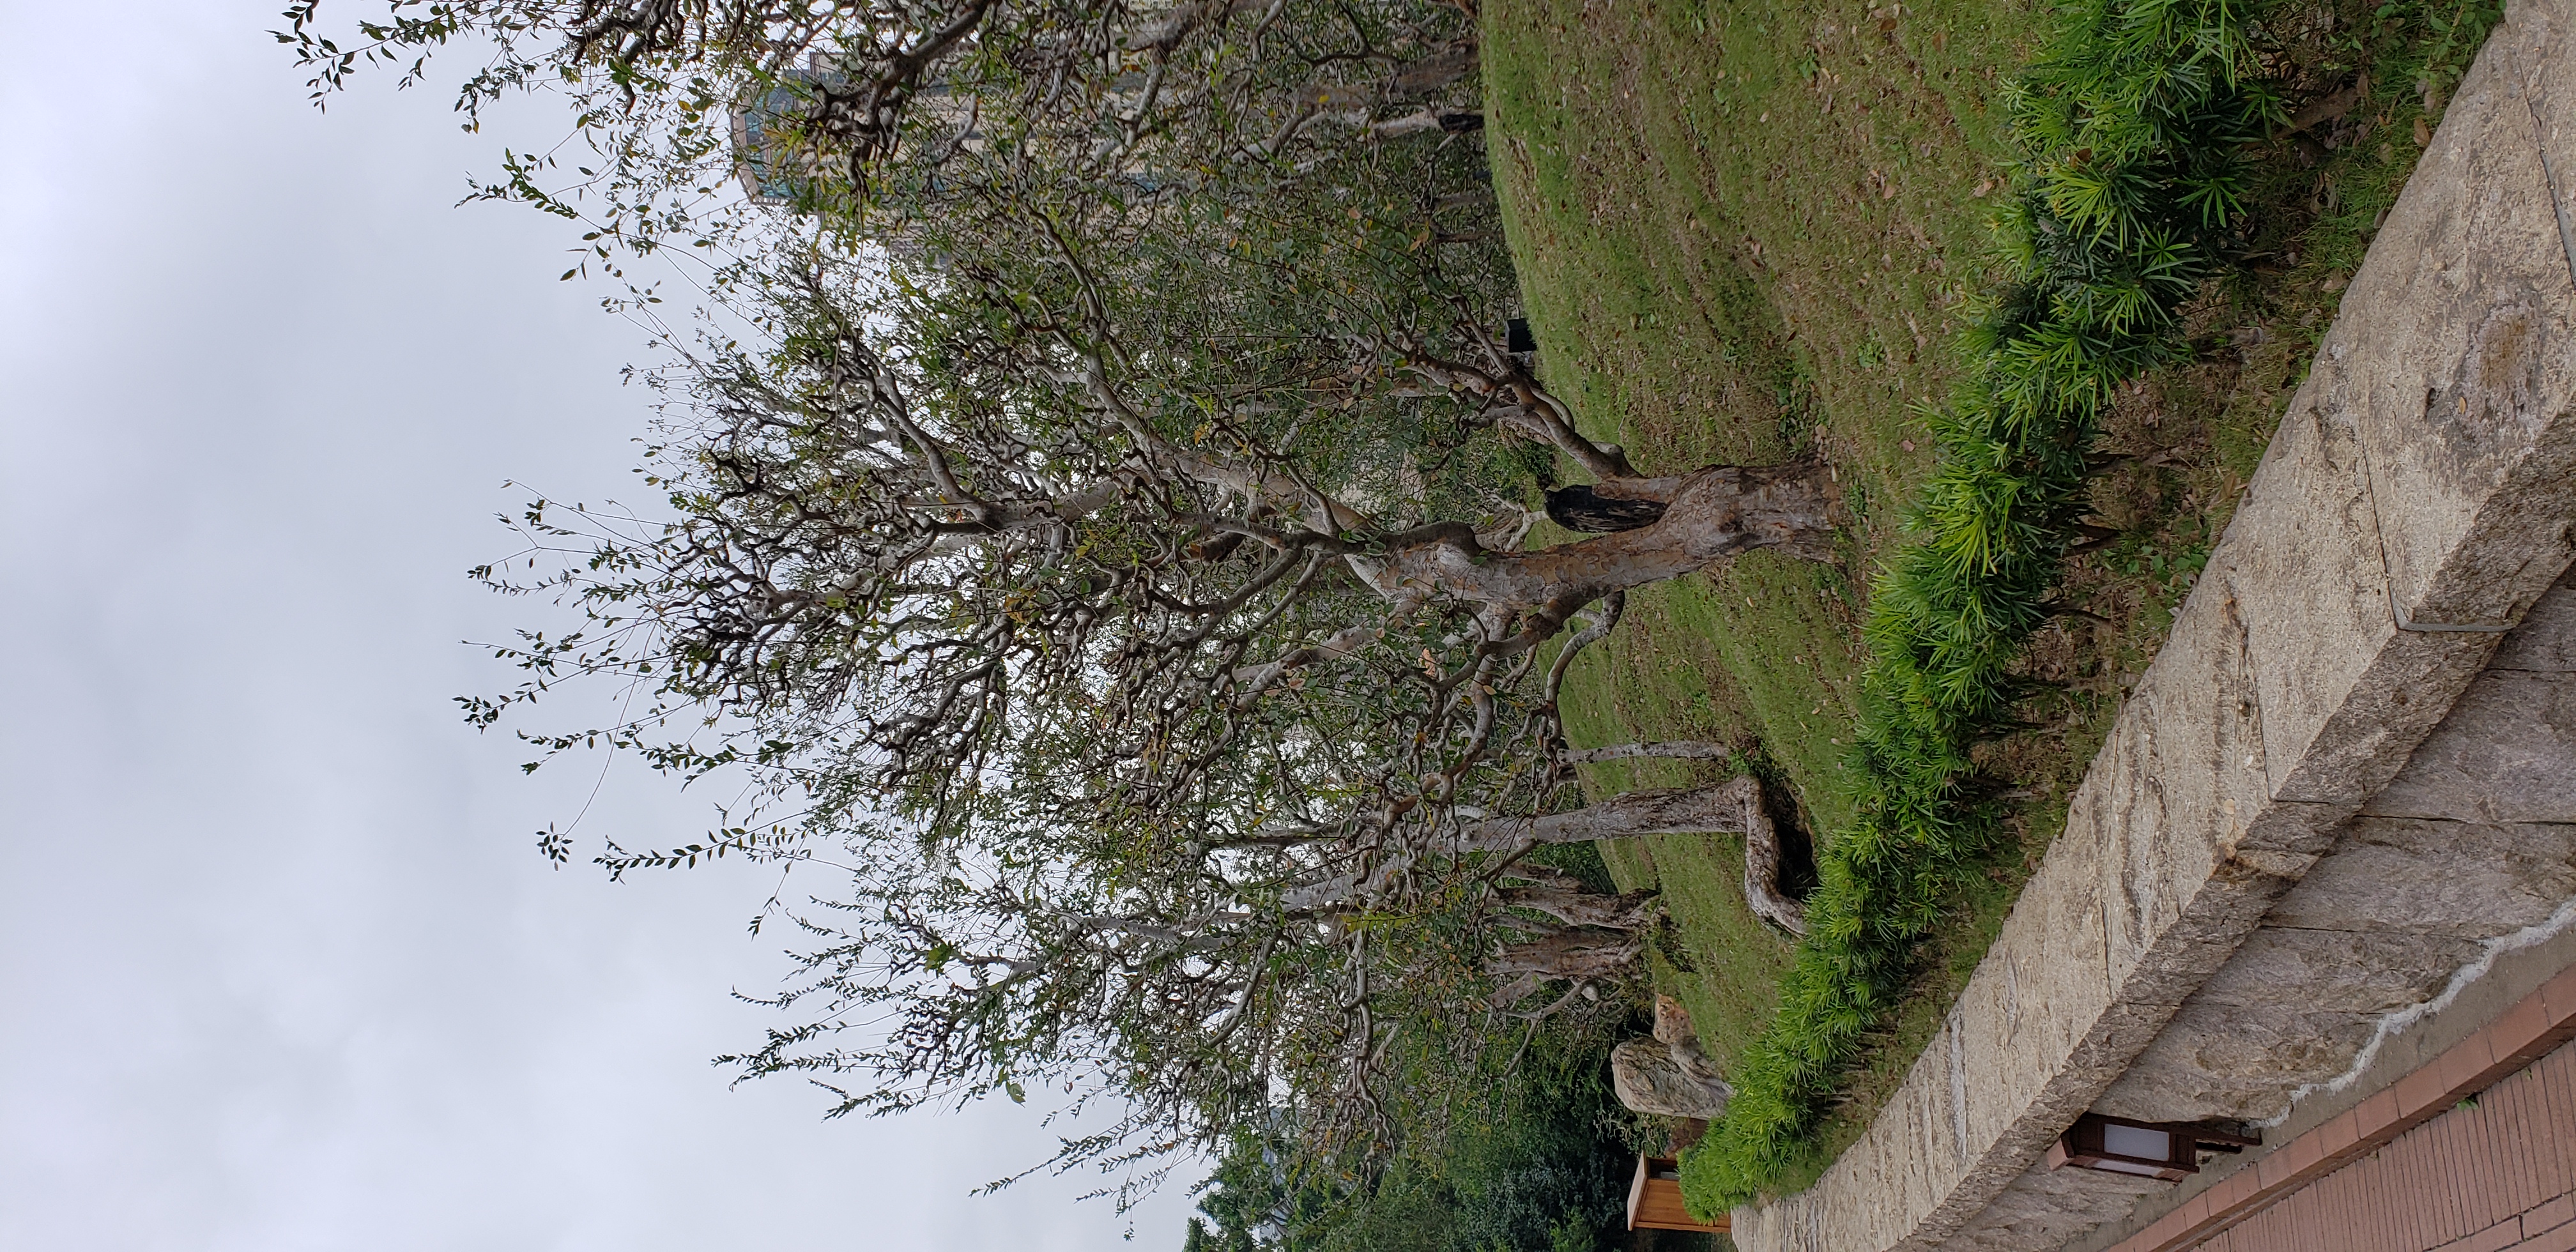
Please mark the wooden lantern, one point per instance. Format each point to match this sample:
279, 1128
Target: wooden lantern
2166, 1150
1655, 1199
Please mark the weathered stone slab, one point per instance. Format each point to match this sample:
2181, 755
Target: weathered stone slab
2224, 1061
1653, 1077
2472, 470
2311, 598
2181, 793
2045, 1208
2546, 640
2544, 55
2173, 849
2340, 971
2461, 880
2506, 753
2051, 984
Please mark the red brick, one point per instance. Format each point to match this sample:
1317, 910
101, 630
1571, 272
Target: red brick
2516, 1145
2549, 1216
2473, 1176
2241, 1188
2560, 995
2422, 1149
2449, 1151
2378, 1202
2534, 1104
2352, 1225
2306, 1152
2538, 1157
2466, 1066
2269, 1172
2558, 1082
2502, 1163
2288, 1223
2549, 1151
2482, 1179
2487, 1181
2523, 1031
2503, 1234
2548, 1155
2563, 1239
2421, 1092
2373, 1117
2550, 1077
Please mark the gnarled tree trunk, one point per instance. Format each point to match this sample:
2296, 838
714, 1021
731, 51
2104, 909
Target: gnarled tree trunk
1762, 891
1708, 516
1578, 953
1659, 811
1732, 807
1575, 906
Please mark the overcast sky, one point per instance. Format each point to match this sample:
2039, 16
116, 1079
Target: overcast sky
280, 967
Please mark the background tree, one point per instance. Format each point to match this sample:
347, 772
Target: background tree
1536, 1153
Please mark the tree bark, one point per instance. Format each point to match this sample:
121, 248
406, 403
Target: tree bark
1711, 515
1762, 892
1663, 811
1581, 509
1670, 749
1733, 807
1603, 619
1574, 952
1574, 906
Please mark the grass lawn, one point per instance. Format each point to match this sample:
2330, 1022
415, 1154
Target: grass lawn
1750, 234
1707, 209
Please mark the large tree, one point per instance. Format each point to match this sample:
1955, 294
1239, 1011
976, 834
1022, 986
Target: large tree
1157, 728
1094, 533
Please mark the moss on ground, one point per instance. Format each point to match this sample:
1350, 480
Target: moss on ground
1749, 235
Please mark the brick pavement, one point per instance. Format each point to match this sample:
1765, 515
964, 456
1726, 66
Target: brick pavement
2492, 1175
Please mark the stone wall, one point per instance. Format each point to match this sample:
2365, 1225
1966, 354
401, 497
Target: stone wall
2253, 878
2469, 851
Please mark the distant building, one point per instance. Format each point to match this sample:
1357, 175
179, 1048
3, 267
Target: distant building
772, 153
775, 154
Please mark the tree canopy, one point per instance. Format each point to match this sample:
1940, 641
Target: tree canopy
1094, 519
